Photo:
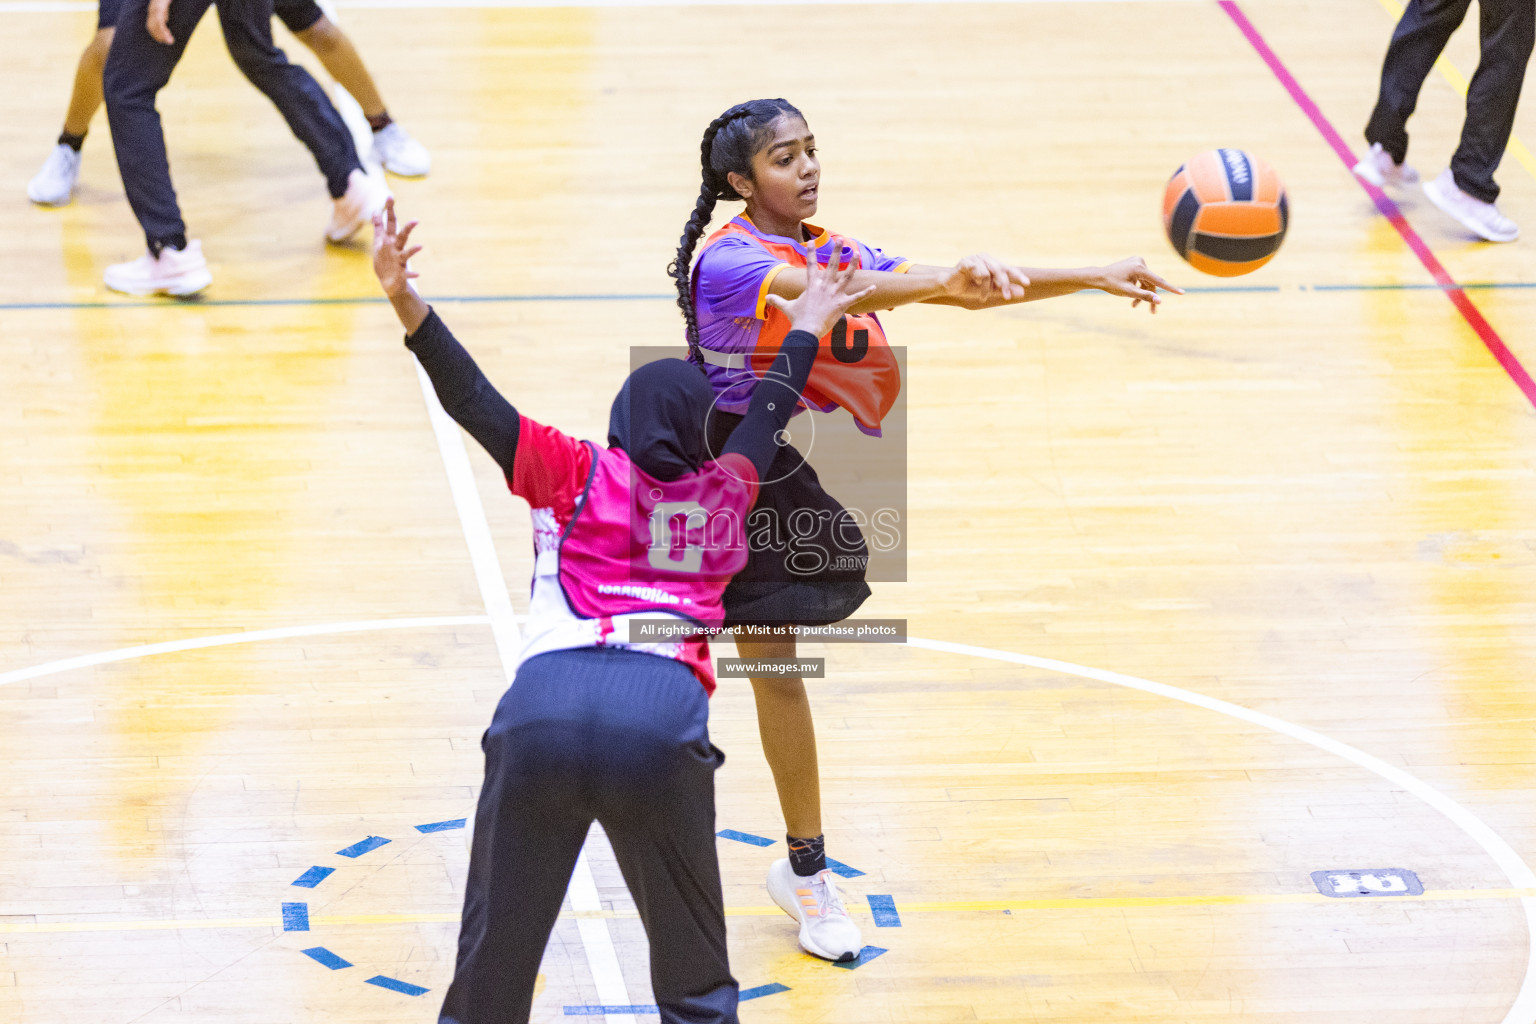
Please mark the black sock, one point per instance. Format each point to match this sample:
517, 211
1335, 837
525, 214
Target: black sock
74, 142
177, 242
381, 122
807, 856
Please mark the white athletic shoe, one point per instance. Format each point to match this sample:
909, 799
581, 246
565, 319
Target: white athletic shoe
364, 197
54, 185
399, 153
826, 930
174, 272
1378, 168
1482, 219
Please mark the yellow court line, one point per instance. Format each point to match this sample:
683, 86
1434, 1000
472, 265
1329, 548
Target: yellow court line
914, 907
1458, 81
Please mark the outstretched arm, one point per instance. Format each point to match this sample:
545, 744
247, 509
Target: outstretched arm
983, 282
466, 395
1129, 278
972, 279
886, 289
829, 292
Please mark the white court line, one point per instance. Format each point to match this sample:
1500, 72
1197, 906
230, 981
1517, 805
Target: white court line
477, 532
247, 637
596, 940
1522, 1011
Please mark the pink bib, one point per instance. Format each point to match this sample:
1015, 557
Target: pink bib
638, 544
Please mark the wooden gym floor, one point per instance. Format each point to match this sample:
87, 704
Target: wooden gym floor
1309, 493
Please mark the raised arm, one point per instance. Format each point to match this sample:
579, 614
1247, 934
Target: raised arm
472, 401
828, 293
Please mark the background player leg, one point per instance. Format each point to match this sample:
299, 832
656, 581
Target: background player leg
1508, 32
308, 111
137, 69
1417, 42
54, 185
788, 733
1466, 189
393, 146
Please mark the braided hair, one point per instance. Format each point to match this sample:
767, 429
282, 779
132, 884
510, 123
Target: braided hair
730, 143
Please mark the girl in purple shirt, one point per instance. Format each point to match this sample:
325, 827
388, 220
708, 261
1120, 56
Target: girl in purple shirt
763, 153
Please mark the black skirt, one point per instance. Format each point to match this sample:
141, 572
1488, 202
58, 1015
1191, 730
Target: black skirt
807, 557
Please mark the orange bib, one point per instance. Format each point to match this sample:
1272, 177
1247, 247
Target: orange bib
855, 369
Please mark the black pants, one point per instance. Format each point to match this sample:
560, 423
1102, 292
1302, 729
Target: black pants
617, 736
298, 15
138, 68
1508, 31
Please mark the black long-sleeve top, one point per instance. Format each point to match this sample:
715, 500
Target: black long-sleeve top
476, 405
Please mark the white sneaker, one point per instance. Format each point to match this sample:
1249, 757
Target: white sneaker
174, 272
1482, 219
826, 930
1378, 168
364, 197
54, 185
399, 153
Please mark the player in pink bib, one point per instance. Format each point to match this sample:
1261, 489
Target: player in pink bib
600, 723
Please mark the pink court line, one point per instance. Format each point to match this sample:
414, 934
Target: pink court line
1388, 208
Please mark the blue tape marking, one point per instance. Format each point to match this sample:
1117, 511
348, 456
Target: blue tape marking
326, 957
441, 826
744, 837
771, 989
603, 1011
883, 910
648, 297
295, 917
359, 848
396, 985
313, 877
354, 301
866, 954
839, 868
1230, 289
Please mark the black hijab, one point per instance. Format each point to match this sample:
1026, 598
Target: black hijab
658, 418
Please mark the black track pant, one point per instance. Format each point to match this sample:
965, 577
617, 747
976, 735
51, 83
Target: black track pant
621, 737
138, 67
1508, 31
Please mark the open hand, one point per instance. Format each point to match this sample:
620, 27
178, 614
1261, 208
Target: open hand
828, 293
391, 258
1131, 278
